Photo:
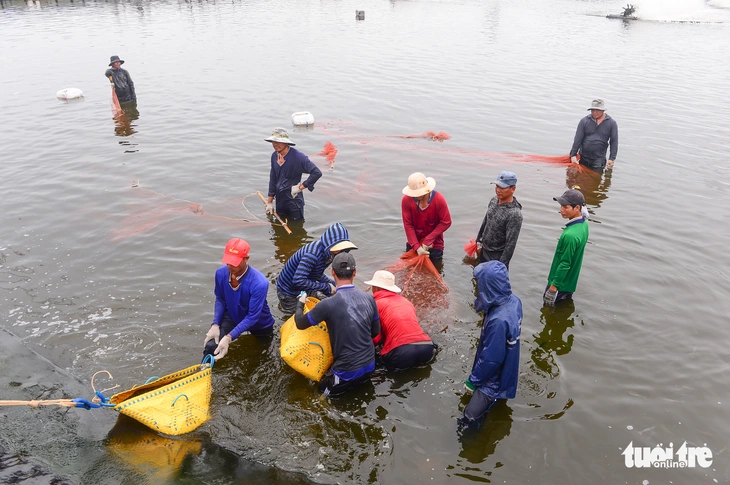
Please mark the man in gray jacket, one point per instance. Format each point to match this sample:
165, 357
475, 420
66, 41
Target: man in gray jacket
501, 226
595, 133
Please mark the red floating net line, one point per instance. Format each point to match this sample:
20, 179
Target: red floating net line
440, 136
329, 152
422, 285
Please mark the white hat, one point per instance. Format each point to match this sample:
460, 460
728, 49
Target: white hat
280, 135
597, 104
342, 245
418, 185
384, 280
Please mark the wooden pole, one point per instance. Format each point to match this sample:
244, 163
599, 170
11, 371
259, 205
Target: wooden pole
261, 196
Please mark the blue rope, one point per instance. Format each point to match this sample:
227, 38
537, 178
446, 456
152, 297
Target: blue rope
209, 359
83, 403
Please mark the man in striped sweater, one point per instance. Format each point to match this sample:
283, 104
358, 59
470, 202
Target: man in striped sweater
304, 271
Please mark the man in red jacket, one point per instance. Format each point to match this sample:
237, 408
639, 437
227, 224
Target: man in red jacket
425, 216
404, 342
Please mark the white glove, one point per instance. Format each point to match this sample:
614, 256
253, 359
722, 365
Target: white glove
584, 212
333, 289
479, 247
213, 334
222, 348
609, 164
303, 296
573, 159
422, 250
295, 190
269, 208
549, 297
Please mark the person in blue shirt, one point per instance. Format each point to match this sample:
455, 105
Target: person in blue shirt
240, 301
285, 179
497, 361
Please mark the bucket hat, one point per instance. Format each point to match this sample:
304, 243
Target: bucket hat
114, 59
418, 185
597, 104
385, 280
280, 135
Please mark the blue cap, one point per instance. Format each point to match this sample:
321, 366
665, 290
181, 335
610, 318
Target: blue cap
506, 179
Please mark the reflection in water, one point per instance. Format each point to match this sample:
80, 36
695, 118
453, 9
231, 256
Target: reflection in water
123, 122
477, 444
551, 340
593, 185
136, 454
287, 244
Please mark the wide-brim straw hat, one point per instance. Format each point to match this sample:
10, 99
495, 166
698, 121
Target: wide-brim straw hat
418, 185
280, 135
342, 245
385, 280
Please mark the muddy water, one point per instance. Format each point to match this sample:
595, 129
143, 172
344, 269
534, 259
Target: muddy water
112, 229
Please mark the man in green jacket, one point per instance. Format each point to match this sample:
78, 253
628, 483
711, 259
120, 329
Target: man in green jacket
564, 272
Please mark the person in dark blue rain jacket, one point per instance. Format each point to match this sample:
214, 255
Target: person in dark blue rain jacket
285, 179
304, 271
497, 361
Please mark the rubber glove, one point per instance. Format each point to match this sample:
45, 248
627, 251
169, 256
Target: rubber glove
222, 348
213, 334
303, 296
295, 190
333, 289
469, 386
573, 159
422, 250
584, 212
479, 247
549, 297
609, 164
269, 208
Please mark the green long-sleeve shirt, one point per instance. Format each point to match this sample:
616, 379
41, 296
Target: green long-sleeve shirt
568, 257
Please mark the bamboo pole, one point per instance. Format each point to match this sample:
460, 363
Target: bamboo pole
261, 196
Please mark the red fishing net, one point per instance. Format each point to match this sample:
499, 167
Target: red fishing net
116, 107
423, 286
470, 248
329, 152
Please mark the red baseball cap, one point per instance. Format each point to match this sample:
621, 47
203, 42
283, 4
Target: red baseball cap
236, 250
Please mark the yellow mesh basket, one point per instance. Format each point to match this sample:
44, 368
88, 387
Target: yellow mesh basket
174, 404
306, 351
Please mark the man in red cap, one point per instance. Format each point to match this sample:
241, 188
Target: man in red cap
240, 301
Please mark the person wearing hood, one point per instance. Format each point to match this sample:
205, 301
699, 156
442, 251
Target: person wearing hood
497, 360
425, 215
593, 136
121, 80
497, 237
304, 271
285, 178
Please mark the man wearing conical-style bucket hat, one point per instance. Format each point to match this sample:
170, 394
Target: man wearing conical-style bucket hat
285, 179
595, 133
121, 80
425, 215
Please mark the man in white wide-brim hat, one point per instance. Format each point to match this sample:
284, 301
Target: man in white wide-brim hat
593, 136
404, 343
425, 216
285, 179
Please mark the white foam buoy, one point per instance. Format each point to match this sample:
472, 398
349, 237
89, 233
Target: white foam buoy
70, 93
302, 118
